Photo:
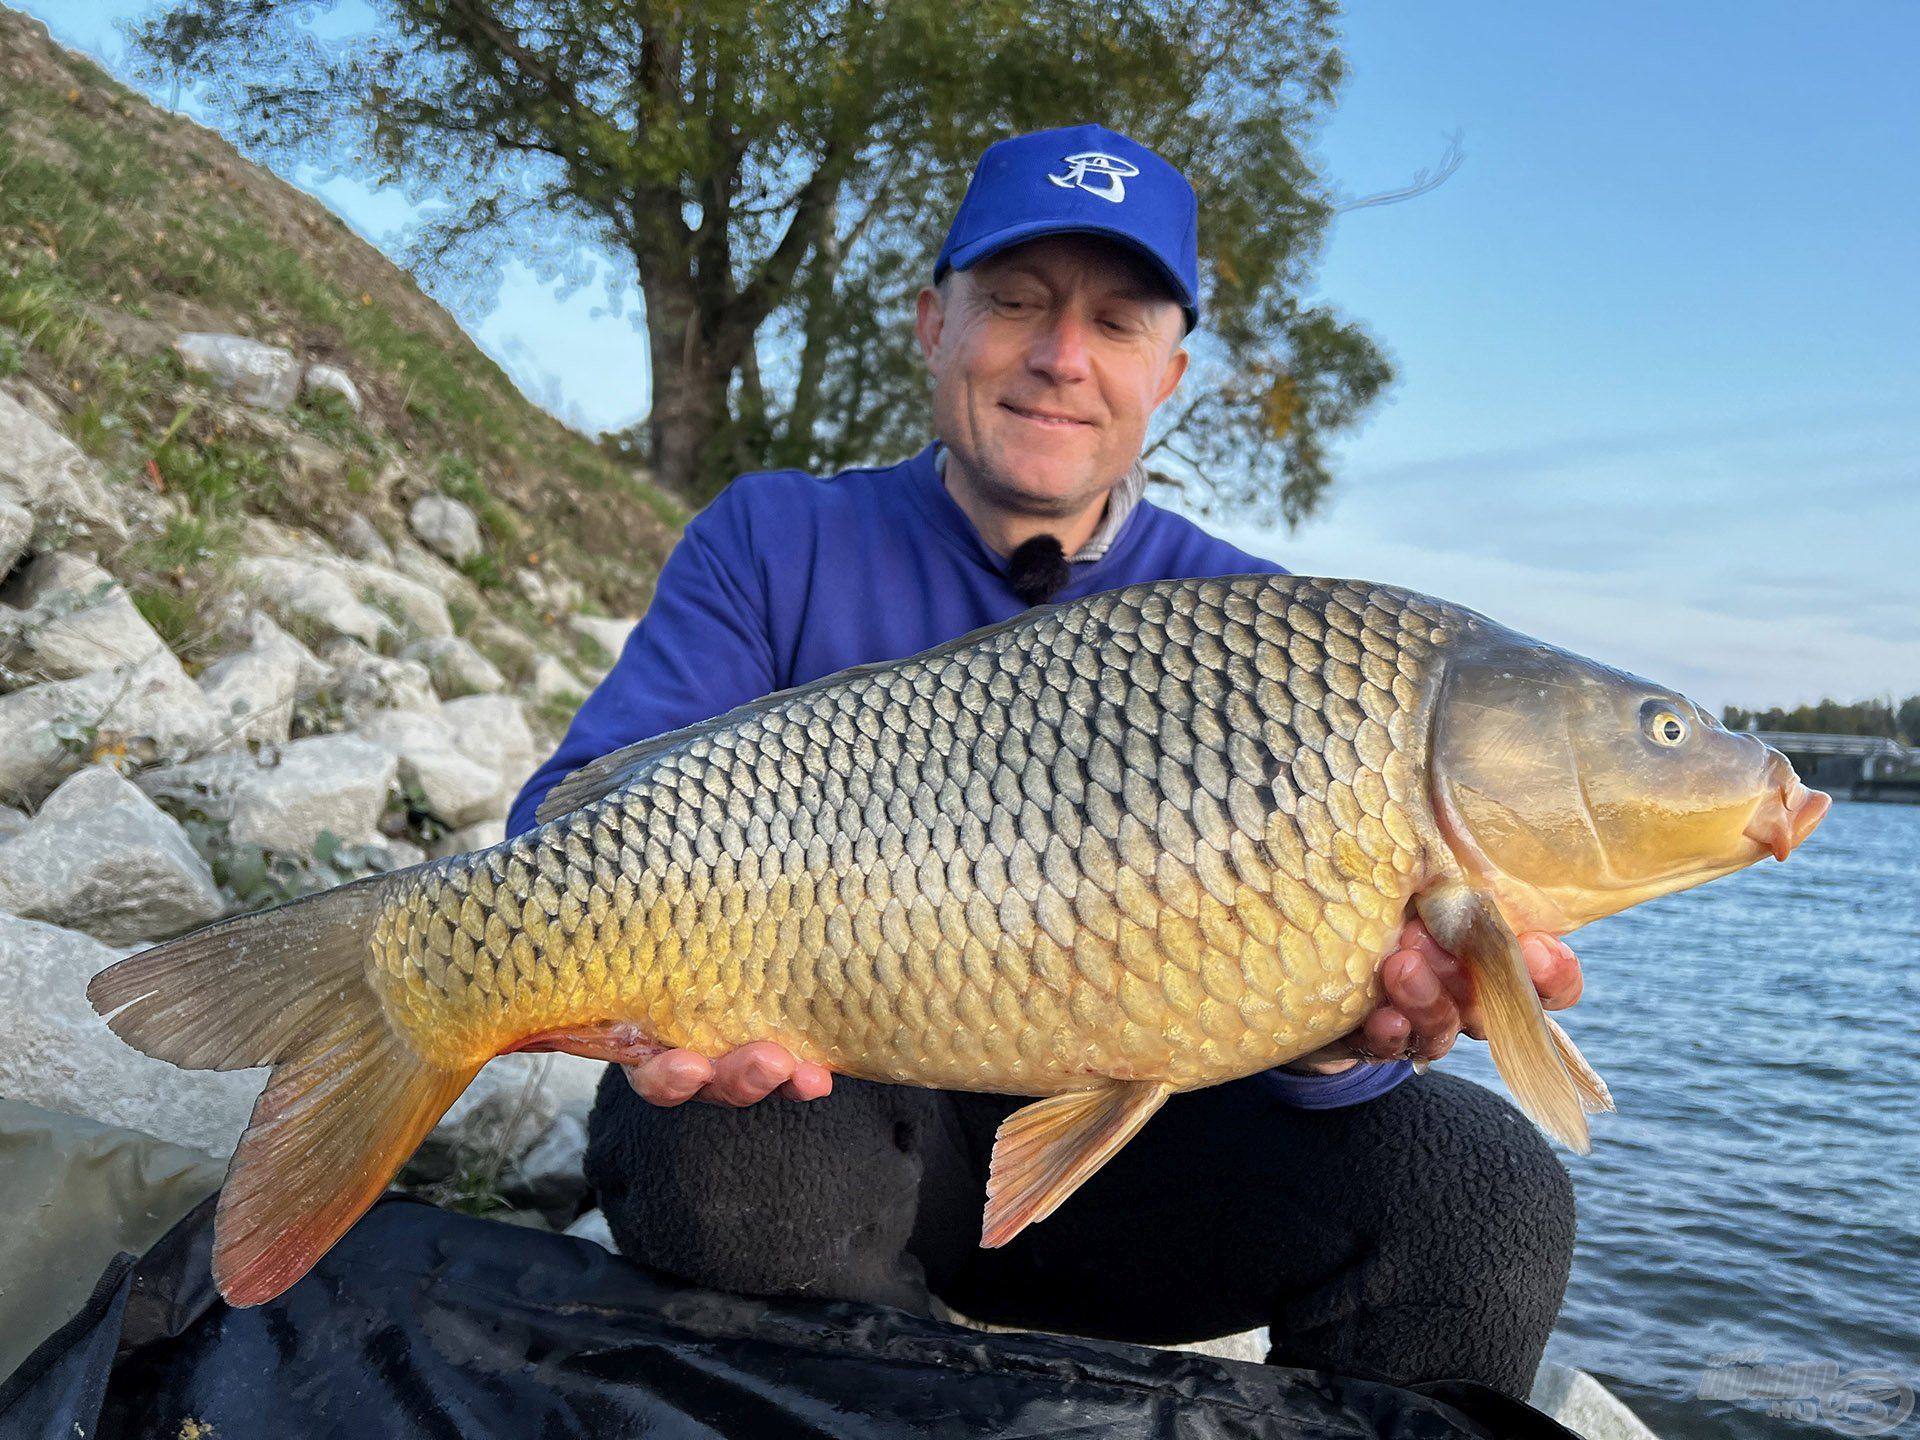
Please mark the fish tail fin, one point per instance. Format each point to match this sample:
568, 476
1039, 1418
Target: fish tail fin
348, 1099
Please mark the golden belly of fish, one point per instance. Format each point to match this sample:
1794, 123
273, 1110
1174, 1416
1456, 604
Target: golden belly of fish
1166, 834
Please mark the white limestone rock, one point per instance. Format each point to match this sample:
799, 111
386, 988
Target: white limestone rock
152, 711
456, 667
360, 539
101, 855
364, 683
454, 790
609, 635
56, 1053
335, 783
74, 618
552, 680
253, 691
12, 821
493, 730
331, 380
554, 593
47, 475
514, 1101
593, 1226
419, 608
16, 532
312, 594
264, 376
402, 854
447, 527
481, 836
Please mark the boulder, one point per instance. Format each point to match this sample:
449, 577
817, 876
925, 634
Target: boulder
102, 856
505, 646
311, 594
481, 836
360, 539
402, 854
447, 527
456, 667
331, 380
550, 1176
56, 1053
252, 694
46, 474
363, 682
512, 1103
12, 821
492, 729
430, 570
261, 375
554, 593
419, 608
609, 635
453, 789
152, 711
16, 533
552, 680
331, 783
74, 619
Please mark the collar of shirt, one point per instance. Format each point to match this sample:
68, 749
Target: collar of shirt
1121, 501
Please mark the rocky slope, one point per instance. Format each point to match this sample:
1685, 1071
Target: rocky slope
294, 587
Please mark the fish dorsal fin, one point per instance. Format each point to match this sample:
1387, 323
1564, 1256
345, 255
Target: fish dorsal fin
1047, 1150
602, 777
1555, 1094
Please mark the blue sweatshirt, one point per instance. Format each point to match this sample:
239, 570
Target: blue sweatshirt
786, 577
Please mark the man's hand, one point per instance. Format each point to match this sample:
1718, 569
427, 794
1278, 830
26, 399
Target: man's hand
740, 1077
1430, 1000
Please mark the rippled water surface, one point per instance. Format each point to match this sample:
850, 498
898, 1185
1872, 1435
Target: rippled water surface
1758, 1190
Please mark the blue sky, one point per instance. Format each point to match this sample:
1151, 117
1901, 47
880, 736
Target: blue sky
1658, 338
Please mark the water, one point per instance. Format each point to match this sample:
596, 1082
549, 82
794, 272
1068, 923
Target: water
1758, 1190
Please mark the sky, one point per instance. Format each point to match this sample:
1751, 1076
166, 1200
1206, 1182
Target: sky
1658, 339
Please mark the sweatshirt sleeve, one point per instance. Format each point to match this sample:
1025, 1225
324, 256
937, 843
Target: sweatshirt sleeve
700, 650
1334, 1092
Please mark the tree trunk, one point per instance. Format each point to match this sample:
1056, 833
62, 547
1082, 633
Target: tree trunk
689, 410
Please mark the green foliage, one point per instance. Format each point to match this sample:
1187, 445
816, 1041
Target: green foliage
779, 217
1834, 717
13, 354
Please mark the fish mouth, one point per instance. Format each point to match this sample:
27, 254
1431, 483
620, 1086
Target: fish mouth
1787, 815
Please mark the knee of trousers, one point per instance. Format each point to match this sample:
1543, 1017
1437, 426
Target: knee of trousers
779, 1198
1480, 1190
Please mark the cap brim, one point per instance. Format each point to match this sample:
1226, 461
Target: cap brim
966, 256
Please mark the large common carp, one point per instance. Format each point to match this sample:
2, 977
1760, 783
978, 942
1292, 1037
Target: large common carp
1144, 842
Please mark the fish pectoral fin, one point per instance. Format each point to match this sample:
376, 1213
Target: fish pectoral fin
1530, 1059
1045, 1151
1595, 1098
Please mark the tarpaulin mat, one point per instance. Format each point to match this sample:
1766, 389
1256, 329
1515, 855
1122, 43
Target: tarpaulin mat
426, 1323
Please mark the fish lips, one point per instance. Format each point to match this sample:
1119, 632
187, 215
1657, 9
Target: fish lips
1787, 816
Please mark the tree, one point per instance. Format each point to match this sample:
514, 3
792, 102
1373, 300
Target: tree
776, 176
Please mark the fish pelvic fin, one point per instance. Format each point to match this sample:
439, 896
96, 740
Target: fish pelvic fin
1538, 1068
348, 1099
1045, 1151
1595, 1098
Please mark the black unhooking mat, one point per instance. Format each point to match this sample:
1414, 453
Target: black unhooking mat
426, 1323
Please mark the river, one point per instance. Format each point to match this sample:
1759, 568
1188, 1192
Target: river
1755, 1202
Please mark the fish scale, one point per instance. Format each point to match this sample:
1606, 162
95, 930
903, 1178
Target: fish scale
1167, 832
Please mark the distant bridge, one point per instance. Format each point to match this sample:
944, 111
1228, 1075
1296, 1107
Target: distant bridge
1856, 767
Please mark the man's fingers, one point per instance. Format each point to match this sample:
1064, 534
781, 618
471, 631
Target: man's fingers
1416, 998
672, 1077
1554, 967
809, 1082
750, 1074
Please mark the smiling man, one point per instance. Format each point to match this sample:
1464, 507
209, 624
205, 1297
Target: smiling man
1380, 1223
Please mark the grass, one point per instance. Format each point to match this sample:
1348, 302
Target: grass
107, 207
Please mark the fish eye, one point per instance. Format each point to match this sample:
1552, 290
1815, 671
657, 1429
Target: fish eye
1664, 725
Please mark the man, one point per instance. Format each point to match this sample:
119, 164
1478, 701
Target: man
1382, 1224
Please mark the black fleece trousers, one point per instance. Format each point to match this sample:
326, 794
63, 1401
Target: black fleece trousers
1423, 1235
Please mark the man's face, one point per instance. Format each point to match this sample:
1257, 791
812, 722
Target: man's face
1047, 361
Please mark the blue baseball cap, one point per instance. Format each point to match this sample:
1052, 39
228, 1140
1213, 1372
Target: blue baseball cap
1080, 180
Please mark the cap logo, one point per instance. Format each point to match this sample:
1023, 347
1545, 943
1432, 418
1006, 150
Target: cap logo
1081, 170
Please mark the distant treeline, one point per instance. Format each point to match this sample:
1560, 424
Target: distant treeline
1830, 717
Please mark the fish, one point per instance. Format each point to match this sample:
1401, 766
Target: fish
1107, 851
